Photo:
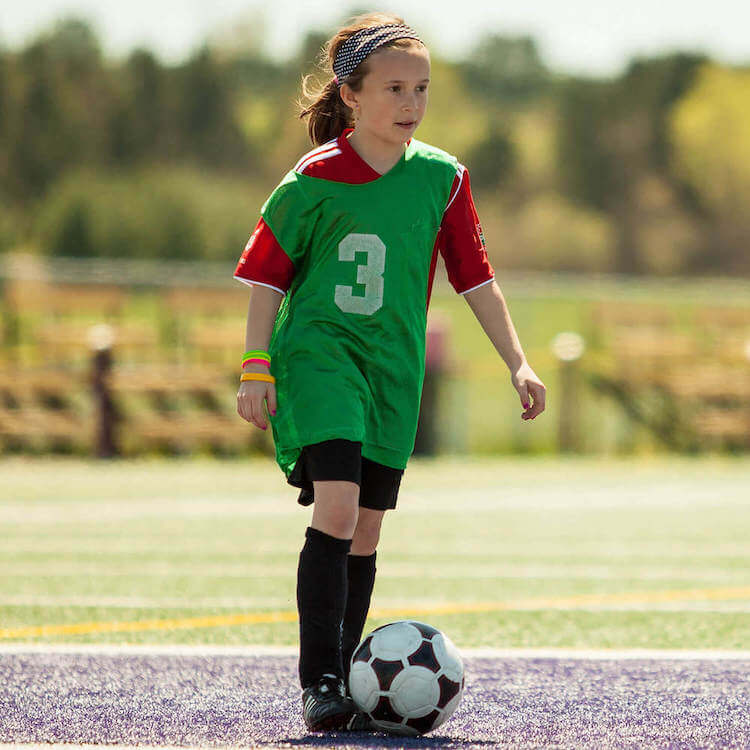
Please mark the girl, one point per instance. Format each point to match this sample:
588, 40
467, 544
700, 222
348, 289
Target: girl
347, 243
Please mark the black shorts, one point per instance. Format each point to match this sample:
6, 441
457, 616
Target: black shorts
340, 459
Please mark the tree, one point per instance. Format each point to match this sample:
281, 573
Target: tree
139, 126
205, 114
613, 136
73, 45
60, 97
492, 159
506, 69
710, 132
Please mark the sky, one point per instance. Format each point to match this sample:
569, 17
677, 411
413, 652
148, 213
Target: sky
595, 37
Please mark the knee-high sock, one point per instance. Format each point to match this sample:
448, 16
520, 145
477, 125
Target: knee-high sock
361, 579
321, 599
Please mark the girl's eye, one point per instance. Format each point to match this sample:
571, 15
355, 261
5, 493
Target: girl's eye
421, 88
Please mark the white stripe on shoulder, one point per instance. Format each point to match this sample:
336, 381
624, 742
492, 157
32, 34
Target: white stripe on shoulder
317, 157
320, 149
252, 282
466, 291
460, 172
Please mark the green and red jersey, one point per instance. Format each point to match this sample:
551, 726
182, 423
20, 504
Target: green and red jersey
354, 253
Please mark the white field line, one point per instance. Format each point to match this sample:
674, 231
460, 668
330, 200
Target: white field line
137, 568
279, 602
129, 544
176, 603
259, 650
166, 508
489, 550
143, 602
489, 545
698, 495
577, 547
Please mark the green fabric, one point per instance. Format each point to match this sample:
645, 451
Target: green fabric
348, 344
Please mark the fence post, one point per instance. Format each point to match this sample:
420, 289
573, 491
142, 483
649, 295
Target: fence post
568, 348
101, 337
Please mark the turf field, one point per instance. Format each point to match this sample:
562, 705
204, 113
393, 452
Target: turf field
209, 698
510, 554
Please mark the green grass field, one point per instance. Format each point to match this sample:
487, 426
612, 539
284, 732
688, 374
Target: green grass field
508, 552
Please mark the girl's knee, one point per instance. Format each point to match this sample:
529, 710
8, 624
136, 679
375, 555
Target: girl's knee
336, 509
367, 532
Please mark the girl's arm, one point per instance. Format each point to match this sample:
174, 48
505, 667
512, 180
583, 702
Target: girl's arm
488, 305
261, 315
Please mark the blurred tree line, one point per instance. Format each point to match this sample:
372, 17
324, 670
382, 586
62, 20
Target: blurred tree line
643, 173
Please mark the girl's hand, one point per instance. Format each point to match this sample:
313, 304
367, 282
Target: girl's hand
250, 400
528, 384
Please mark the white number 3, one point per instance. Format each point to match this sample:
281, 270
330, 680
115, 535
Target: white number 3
371, 274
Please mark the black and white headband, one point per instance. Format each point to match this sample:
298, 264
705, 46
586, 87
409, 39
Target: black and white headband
362, 43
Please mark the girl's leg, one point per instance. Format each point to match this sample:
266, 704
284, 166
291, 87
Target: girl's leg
361, 579
367, 532
336, 507
322, 579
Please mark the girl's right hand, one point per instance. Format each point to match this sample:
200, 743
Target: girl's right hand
250, 400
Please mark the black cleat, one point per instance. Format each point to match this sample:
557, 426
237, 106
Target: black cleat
361, 722
326, 705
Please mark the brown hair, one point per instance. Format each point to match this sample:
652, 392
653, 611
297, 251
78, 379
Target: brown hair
329, 116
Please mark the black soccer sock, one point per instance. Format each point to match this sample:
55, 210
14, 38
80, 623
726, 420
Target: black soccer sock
321, 599
361, 579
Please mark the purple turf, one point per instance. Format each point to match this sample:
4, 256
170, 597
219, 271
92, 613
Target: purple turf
255, 701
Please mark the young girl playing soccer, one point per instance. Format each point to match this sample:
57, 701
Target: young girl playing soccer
347, 244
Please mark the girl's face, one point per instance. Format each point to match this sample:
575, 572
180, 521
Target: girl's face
393, 92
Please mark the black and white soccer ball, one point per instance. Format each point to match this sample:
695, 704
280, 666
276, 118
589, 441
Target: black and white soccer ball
407, 676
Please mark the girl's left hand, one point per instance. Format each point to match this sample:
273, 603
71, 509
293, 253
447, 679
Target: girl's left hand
526, 382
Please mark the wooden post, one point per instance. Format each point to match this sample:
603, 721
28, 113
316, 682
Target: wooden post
568, 348
101, 338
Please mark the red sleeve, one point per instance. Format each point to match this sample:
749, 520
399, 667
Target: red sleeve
461, 240
264, 262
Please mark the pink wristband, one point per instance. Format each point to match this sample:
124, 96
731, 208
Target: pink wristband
253, 361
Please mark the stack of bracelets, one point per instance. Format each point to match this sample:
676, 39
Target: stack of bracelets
260, 357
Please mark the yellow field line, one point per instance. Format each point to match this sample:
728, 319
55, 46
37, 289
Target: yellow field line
580, 600
259, 618
140, 625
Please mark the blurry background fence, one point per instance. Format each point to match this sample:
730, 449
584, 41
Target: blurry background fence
130, 358
168, 381
688, 385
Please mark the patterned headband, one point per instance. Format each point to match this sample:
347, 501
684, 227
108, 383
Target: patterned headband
362, 43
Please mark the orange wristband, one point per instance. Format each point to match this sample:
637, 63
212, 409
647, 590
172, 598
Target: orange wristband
257, 376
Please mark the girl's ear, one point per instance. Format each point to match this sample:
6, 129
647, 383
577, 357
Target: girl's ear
348, 97
343, 94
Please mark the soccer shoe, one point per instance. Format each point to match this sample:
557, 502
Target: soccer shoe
361, 722
326, 705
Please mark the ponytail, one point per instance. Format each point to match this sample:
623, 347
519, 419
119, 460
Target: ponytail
328, 114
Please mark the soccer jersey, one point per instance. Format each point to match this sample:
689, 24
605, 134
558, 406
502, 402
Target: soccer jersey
355, 258
460, 240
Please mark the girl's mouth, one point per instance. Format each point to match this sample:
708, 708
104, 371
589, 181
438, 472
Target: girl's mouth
406, 125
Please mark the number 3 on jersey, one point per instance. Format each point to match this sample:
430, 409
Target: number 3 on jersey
370, 274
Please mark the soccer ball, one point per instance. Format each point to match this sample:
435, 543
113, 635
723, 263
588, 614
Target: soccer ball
407, 676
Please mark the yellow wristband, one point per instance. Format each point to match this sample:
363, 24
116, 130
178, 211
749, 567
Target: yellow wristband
257, 376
